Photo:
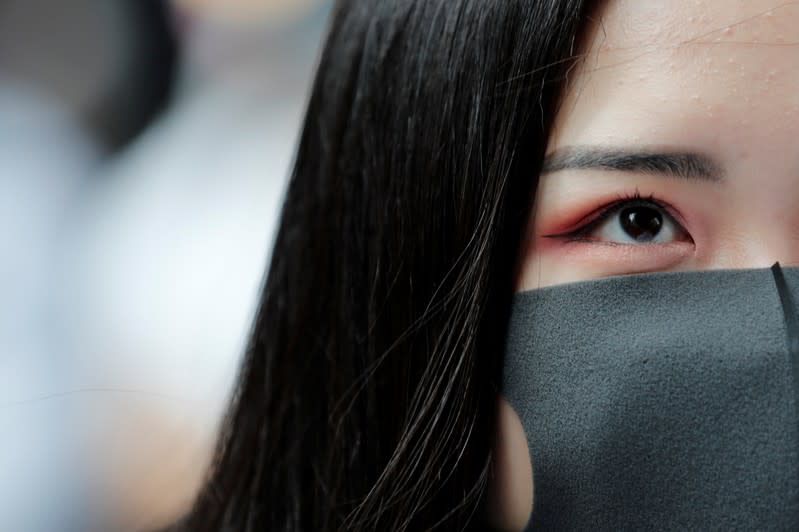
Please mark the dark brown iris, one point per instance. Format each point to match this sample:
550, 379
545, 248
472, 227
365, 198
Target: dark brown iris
641, 223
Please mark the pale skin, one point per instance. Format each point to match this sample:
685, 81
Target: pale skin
711, 82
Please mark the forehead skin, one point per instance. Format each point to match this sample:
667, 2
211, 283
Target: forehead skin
717, 75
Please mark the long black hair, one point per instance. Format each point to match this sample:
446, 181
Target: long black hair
367, 396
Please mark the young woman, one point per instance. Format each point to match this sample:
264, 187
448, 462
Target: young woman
454, 153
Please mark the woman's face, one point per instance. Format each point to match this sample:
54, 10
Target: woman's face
676, 148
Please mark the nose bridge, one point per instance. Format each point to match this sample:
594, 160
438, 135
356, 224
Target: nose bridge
759, 252
761, 238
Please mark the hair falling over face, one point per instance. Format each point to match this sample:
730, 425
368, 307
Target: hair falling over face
367, 397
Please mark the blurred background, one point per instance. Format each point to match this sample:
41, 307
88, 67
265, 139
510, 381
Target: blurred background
144, 149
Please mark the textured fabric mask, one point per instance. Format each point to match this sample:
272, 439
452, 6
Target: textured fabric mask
660, 401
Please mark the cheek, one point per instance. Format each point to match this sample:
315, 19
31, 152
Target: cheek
510, 490
552, 263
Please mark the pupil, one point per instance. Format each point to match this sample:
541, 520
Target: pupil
641, 223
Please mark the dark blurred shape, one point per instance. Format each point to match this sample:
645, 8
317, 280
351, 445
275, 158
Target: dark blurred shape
111, 62
148, 82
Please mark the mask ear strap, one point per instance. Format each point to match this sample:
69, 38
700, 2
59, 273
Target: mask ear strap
791, 329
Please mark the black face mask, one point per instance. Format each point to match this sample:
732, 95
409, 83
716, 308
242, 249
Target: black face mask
660, 401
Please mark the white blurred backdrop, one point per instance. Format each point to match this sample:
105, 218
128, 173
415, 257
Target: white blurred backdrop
132, 260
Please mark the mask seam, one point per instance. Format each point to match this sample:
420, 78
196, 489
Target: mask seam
791, 332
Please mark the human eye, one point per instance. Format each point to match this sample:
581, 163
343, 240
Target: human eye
629, 221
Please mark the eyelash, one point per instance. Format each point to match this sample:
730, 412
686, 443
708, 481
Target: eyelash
602, 215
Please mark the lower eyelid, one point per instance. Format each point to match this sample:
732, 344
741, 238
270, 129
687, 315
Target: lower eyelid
621, 257
609, 243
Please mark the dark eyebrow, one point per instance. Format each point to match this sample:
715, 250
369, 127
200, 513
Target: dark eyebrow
683, 165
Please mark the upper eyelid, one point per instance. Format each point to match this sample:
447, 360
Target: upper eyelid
600, 215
